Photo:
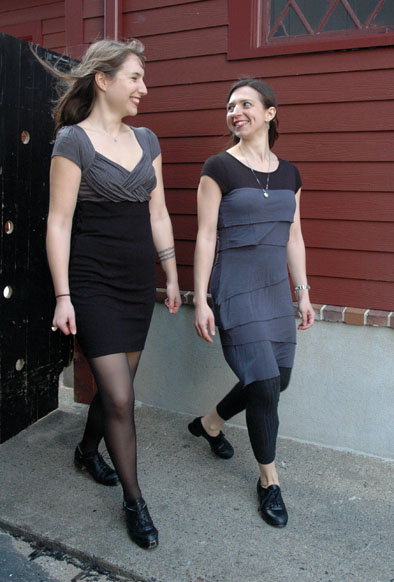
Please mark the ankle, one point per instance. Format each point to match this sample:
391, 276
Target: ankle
130, 501
213, 429
133, 503
86, 450
265, 483
268, 474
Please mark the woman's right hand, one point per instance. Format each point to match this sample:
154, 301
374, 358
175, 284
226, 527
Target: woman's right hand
64, 316
204, 322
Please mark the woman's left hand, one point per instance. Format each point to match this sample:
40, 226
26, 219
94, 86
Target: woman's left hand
173, 300
307, 313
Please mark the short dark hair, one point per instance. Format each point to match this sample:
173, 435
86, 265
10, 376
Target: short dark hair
268, 99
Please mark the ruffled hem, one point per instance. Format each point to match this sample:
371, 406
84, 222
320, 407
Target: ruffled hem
279, 329
260, 305
259, 360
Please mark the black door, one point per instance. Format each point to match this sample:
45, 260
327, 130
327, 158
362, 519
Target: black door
31, 355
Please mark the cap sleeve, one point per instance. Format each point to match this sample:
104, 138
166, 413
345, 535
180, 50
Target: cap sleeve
150, 138
298, 181
214, 168
67, 145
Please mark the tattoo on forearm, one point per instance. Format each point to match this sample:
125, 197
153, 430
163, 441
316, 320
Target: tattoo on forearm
165, 254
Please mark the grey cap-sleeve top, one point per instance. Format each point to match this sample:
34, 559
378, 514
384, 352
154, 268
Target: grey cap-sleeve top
103, 179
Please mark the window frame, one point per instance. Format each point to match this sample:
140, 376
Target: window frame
244, 36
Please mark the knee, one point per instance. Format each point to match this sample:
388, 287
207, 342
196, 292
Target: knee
120, 405
264, 393
285, 374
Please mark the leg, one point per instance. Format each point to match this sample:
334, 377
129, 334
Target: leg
285, 374
233, 403
94, 429
114, 375
209, 426
263, 422
86, 454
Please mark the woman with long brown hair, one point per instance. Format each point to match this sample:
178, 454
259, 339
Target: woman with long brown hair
250, 198
107, 216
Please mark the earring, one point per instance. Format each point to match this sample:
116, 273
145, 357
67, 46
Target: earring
268, 126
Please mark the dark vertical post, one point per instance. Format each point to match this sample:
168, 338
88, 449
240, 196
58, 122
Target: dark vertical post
31, 355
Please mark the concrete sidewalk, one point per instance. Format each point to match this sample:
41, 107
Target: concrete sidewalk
341, 506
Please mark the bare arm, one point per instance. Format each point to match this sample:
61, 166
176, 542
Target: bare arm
209, 197
65, 177
163, 239
297, 266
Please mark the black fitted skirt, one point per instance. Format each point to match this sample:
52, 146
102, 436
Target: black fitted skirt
112, 276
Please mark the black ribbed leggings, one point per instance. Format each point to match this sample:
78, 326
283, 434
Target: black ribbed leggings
260, 401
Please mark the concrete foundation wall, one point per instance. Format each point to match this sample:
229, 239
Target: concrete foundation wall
341, 393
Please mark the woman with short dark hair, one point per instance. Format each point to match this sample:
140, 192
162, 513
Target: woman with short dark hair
250, 198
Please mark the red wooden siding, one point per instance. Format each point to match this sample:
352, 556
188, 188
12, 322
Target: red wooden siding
336, 121
66, 26
336, 112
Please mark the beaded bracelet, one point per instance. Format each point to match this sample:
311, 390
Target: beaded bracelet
62, 295
300, 287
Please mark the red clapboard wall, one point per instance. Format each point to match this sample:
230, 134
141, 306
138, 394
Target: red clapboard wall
336, 112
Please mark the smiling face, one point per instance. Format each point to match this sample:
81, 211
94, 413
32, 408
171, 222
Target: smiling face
246, 115
124, 91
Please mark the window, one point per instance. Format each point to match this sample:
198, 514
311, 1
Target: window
269, 27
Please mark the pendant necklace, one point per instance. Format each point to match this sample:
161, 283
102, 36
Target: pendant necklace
265, 190
115, 139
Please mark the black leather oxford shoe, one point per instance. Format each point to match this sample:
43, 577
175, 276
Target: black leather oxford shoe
271, 505
140, 525
95, 465
219, 445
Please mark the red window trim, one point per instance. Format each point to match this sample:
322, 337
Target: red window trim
244, 42
30, 31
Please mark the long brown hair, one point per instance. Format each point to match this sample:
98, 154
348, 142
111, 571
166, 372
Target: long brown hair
268, 99
76, 88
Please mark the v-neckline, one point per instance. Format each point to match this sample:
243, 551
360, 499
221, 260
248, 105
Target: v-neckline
97, 153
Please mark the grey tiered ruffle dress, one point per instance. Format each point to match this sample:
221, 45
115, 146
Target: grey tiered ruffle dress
112, 258
249, 285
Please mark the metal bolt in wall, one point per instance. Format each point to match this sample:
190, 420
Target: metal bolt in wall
7, 292
25, 137
9, 227
19, 364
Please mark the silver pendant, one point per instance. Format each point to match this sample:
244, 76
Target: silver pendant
266, 195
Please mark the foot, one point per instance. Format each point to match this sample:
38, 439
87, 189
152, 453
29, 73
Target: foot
95, 465
140, 525
271, 505
219, 445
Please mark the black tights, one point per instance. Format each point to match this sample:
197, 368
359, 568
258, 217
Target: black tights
111, 414
260, 400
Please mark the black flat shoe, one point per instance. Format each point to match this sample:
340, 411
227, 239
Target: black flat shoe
95, 465
271, 505
140, 525
219, 445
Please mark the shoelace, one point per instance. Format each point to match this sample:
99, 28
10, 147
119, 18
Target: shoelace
143, 516
274, 500
102, 465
